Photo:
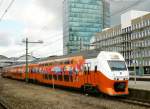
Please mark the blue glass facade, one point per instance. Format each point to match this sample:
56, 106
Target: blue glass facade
83, 18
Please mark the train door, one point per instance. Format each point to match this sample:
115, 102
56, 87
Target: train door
91, 69
87, 79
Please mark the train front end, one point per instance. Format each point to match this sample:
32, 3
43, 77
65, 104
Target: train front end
113, 74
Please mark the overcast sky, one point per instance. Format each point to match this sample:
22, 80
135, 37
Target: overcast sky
42, 20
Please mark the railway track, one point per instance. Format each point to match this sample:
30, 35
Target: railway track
124, 99
2, 106
133, 101
128, 100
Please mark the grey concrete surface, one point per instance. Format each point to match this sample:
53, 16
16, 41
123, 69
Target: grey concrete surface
141, 85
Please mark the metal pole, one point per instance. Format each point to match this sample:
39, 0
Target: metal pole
27, 42
26, 75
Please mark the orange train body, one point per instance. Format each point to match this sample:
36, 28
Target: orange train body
69, 72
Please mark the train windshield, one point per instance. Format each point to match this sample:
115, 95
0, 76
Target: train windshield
117, 65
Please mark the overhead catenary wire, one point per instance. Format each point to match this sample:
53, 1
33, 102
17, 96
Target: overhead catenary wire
52, 42
45, 27
122, 10
6, 10
1, 2
48, 44
136, 3
51, 52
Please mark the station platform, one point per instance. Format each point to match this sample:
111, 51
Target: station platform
140, 85
140, 78
139, 90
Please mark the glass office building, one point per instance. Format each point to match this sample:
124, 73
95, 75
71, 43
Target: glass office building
81, 20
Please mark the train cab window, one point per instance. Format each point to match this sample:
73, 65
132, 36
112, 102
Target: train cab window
117, 65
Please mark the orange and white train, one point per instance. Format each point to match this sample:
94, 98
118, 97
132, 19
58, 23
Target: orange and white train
102, 71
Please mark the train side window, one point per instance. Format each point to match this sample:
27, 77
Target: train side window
50, 76
96, 68
66, 62
31, 70
55, 77
71, 78
46, 76
66, 77
60, 77
71, 62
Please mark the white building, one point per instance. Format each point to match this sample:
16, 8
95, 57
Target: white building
131, 38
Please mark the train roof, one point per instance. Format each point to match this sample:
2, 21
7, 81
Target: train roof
86, 54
